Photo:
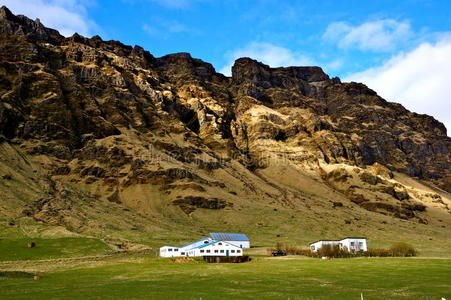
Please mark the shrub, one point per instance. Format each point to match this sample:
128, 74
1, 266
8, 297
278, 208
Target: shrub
402, 249
377, 253
290, 249
334, 251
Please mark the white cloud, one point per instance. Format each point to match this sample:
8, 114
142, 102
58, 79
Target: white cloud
380, 36
269, 54
149, 29
419, 79
67, 16
163, 28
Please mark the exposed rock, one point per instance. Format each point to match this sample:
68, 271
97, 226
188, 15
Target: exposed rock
337, 204
21, 25
7, 177
381, 170
369, 178
401, 195
114, 197
64, 170
190, 203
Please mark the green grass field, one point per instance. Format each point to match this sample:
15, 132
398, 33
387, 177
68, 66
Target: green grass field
17, 249
144, 277
77, 268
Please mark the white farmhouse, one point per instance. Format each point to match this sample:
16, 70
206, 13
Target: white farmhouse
352, 244
216, 248
238, 239
217, 244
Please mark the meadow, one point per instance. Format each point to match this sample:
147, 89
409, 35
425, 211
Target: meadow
17, 249
145, 276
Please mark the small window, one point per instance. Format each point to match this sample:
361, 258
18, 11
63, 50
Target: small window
220, 244
233, 251
222, 251
183, 253
238, 251
312, 247
352, 243
361, 243
216, 251
202, 251
208, 251
176, 250
205, 242
170, 249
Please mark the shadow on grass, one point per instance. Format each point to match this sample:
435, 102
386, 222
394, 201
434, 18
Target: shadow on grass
16, 274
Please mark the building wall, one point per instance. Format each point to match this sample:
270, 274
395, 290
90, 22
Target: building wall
169, 252
355, 244
188, 247
319, 244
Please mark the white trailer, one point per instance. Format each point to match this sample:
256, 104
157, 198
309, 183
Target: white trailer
319, 244
352, 244
170, 251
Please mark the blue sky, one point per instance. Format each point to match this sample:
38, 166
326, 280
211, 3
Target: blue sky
402, 49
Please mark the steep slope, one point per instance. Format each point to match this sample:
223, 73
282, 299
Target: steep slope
107, 140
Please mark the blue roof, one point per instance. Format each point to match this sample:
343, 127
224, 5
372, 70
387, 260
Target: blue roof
204, 245
193, 242
229, 236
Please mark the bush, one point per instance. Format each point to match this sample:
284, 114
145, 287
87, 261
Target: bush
290, 249
377, 253
402, 249
334, 251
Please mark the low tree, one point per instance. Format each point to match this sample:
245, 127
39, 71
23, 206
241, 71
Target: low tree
403, 249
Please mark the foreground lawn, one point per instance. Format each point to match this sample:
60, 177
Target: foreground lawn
263, 278
17, 249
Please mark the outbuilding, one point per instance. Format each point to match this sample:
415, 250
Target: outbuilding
315, 246
170, 251
238, 239
354, 244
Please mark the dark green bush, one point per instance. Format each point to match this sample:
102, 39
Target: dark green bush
334, 251
403, 249
377, 253
291, 250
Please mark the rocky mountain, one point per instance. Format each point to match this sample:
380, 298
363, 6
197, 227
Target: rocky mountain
106, 139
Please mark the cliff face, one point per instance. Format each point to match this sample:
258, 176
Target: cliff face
112, 124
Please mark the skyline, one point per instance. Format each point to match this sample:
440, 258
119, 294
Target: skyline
399, 49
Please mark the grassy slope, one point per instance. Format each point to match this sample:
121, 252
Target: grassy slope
263, 278
148, 217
